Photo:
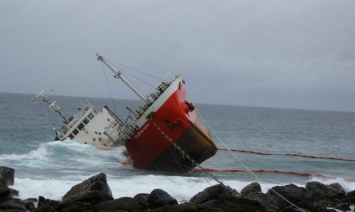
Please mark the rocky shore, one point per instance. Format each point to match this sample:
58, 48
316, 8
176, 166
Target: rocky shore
94, 194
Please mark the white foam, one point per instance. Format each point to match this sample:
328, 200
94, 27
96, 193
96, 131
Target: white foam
41, 153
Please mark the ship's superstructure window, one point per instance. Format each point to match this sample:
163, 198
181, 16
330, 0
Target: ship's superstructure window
86, 121
75, 132
80, 126
91, 116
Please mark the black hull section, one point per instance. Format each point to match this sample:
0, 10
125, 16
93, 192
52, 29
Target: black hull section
197, 146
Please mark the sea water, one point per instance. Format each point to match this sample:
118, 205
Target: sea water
50, 168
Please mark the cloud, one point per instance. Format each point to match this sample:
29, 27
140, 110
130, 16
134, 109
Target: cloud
297, 54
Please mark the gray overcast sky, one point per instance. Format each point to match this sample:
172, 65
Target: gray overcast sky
293, 54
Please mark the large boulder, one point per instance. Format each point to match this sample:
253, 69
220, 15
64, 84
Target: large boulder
92, 197
142, 199
321, 191
159, 198
323, 195
253, 192
212, 193
284, 196
7, 175
94, 190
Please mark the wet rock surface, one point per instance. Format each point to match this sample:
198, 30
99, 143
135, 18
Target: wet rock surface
94, 194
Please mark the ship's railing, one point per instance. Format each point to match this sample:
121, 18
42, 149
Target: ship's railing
168, 79
119, 133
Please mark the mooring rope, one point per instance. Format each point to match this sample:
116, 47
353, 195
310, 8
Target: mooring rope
241, 162
184, 154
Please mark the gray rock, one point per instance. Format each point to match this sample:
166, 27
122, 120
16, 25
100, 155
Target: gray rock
212, 193
95, 183
92, 197
251, 190
283, 196
159, 198
337, 187
325, 196
320, 190
7, 175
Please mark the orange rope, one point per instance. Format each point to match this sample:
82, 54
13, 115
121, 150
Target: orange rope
294, 155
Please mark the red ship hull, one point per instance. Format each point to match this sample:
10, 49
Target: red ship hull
171, 130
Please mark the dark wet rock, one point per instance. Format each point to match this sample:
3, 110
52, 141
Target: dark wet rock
45, 205
142, 199
284, 196
320, 190
250, 190
94, 190
229, 203
16, 205
343, 207
159, 198
73, 206
253, 192
212, 193
13, 204
351, 196
212, 210
206, 205
7, 175
93, 197
177, 208
323, 195
4, 191
13, 192
234, 204
123, 203
337, 187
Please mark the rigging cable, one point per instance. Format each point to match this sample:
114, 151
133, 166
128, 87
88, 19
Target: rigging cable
137, 78
134, 70
241, 162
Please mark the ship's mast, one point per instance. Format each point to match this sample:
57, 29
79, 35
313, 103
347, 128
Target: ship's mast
52, 105
118, 75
